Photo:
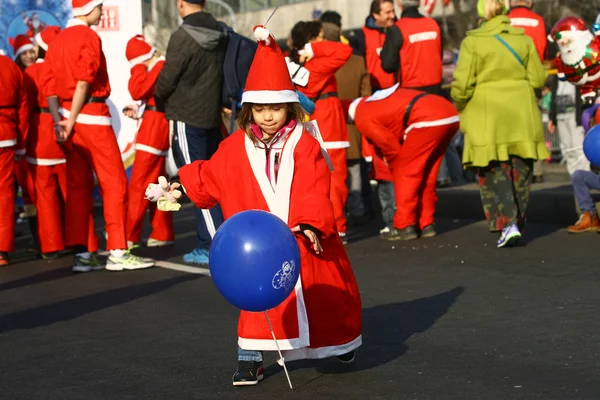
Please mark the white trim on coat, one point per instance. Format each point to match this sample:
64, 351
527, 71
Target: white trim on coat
336, 145
151, 150
278, 201
8, 143
352, 108
427, 124
270, 96
46, 162
86, 9
321, 352
86, 119
40, 41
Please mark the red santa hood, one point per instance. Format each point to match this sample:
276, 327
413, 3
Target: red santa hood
45, 37
21, 44
84, 7
138, 50
268, 80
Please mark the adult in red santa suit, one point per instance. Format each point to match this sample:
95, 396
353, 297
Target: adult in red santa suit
322, 316
522, 16
312, 63
25, 56
46, 159
412, 129
78, 69
413, 50
14, 125
151, 145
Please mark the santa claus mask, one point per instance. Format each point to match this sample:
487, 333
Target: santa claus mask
35, 20
573, 45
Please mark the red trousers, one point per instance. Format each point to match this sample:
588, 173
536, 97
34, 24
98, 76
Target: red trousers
95, 146
146, 169
338, 193
415, 169
7, 217
25, 181
51, 189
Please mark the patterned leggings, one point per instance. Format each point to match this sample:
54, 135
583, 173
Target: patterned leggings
504, 188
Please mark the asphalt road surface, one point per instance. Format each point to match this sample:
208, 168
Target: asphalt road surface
445, 318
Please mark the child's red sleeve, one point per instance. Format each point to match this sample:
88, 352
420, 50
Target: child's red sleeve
310, 202
200, 183
141, 83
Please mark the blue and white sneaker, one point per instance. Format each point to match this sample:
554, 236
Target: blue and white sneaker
197, 256
510, 236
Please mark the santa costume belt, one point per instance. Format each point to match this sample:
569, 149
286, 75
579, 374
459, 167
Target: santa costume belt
90, 99
42, 110
324, 96
410, 107
10, 106
580, 72
152, 108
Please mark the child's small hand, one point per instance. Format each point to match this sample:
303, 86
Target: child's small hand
312, 236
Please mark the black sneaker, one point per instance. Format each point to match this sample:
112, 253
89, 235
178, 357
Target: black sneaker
347, 358
428, 231
408, 233
248, 373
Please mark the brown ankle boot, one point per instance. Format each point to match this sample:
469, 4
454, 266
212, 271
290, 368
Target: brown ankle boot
587, 222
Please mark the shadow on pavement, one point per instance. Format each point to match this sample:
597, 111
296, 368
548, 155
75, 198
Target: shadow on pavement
386, 328
73, 308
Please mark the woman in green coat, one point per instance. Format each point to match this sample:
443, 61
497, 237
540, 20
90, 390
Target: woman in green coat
497, 71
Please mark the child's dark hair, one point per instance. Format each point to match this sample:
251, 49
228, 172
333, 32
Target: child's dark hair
295, 112
302, 33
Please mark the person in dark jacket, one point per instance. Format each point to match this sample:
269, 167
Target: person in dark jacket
189, 90
413, 50
368, 42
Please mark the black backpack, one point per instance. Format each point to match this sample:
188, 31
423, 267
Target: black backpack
238, 58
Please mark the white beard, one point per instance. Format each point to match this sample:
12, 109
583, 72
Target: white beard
572, 54
36, 23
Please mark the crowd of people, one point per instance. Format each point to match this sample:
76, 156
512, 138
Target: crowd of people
377, 98
316, 124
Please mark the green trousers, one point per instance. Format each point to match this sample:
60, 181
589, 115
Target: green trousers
504, 189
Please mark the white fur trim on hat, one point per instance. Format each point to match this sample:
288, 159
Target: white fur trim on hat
40, 41
142, 58
2, 53
262, 35
88, 8
270, 96
23, 49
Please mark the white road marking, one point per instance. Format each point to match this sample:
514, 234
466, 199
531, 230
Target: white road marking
183, 268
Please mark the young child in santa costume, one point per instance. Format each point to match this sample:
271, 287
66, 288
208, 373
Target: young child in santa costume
46, 159
312, 63
14, 126
273, 164
151, 144
412, 129
80, 82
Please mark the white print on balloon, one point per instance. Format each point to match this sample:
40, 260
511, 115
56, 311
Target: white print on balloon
284, 278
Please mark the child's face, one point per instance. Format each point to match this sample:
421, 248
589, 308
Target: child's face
270, 118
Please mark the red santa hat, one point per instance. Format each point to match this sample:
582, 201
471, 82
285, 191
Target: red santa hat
566, 26
84, 7
268, 80
21, 44
138, 50
45, 37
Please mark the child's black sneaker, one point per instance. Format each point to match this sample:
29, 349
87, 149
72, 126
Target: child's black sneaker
248, 373
347, 358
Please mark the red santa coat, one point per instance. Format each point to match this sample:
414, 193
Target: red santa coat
42, 148
322, 317
153, 136
14, 108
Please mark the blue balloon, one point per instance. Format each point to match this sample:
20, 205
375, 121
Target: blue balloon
591, 145
255, 260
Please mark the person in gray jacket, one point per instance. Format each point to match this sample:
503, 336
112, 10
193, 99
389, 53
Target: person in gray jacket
188, 90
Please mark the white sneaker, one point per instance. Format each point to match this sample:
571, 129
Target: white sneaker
510, 236
159, 243
384, 230
127, 262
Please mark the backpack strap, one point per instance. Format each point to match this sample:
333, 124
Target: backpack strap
508, 46
410, 107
